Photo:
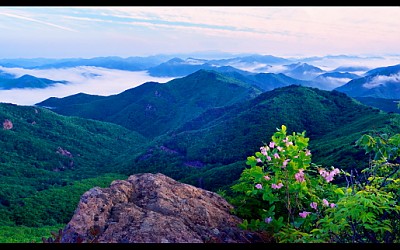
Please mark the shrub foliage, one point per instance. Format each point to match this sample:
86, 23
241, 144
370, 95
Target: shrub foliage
284, 193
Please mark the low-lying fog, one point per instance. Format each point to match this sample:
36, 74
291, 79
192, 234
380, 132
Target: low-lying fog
83, 79
102, 81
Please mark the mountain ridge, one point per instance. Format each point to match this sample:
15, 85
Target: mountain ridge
185, 98
383, 82
27, 81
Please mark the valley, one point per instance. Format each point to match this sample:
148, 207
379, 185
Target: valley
198, 127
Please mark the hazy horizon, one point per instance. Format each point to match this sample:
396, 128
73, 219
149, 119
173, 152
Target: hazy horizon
102, 81
62, 32
87, 32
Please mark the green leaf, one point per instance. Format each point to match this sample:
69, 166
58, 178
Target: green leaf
338, 191
251, 161
283, 128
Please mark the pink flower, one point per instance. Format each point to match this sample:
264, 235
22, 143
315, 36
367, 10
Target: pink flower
308, 152
328, 175
322, 172
300, 175
263, 150
272, 144
268, 220
276, 156
288, 143
313, 205
279, 148
336, 171
329, 178
326, 203
259, 186
7, 124
268, 158
258, 160
286, 139
274, 186
64, 152
267, 178
304, 214
285, 162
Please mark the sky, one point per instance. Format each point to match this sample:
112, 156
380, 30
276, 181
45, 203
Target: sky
100, 31
86, 32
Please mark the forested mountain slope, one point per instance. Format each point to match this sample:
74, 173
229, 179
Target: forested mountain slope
154, 108
41, 150
217, 143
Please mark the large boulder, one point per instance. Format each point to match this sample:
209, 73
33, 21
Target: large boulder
153, 208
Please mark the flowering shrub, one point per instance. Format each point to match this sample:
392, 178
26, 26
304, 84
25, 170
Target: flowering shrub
64, 152
7, 124
295, 200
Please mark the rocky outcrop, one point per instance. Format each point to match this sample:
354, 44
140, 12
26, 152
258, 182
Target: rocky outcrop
153, 208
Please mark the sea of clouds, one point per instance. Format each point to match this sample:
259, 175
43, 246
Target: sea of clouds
382, 80
82, 79
104, 82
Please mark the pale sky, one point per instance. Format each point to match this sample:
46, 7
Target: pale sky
86, 32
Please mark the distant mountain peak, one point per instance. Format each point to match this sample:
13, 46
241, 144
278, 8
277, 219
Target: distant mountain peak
195, 61
383, 82
302, 65
175, 60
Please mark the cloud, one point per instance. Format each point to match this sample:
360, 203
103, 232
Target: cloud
333, 82
277, 69
369, 62
84, 79
318, 21
382, 80
173, 23
237, 29
37, 21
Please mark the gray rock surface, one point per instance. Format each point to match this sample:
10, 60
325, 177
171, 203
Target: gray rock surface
153, 208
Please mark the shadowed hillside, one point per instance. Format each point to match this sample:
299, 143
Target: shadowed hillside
42, 150
217, 142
